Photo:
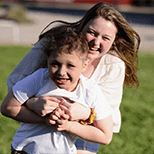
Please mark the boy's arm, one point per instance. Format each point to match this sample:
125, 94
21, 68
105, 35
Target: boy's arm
12, 108
101, 132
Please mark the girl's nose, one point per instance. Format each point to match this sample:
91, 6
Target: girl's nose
97, 42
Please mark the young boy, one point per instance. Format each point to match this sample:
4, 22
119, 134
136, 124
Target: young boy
66, 53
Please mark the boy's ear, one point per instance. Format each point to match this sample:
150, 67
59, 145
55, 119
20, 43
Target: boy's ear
86, 62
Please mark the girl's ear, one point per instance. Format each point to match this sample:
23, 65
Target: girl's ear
85, 65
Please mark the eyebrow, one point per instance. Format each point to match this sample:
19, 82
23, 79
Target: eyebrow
90, 28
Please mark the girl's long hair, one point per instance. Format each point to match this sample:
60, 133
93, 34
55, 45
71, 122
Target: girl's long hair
126, 43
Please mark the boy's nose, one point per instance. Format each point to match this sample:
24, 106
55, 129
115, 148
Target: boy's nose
62, 71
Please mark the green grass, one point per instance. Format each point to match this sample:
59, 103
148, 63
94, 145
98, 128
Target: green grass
10, 56
137, 108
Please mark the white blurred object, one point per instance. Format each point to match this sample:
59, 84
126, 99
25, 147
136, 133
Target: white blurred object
9, 32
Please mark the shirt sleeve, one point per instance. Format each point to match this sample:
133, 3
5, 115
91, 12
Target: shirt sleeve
100, 103
28, 65
111, 84
28, 87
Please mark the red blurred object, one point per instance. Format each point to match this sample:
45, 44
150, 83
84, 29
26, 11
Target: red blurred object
118, 2
115, 2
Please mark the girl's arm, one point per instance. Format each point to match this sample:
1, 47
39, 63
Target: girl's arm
44, 105
28, 65
14, 109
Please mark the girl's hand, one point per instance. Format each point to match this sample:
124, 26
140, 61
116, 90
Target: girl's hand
76, 111
43, 105
62, 123
56, 115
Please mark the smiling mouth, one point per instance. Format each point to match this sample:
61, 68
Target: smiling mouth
94, 49
61, 80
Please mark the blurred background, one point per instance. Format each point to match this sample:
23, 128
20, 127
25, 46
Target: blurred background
21, 21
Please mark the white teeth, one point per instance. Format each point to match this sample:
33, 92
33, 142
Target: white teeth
94, 49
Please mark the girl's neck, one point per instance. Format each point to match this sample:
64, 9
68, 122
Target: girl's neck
91, 67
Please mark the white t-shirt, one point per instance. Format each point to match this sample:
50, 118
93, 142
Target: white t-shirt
109, 75
40, 138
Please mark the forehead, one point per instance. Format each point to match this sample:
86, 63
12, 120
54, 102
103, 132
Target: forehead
101, 24
65, 56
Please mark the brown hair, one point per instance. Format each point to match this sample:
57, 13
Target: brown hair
126, 43
66, 39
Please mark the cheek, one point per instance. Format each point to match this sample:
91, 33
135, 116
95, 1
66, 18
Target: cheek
88, 37
107, 45
52, 70
76, 73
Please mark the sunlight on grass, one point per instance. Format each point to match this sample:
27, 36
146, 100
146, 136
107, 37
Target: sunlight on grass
137, 108
10, 56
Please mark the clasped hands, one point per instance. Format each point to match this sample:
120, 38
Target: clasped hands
58, 111
60, 117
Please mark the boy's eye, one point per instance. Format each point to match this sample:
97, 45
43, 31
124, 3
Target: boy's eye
54, 65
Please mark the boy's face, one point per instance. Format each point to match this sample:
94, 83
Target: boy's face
65, 69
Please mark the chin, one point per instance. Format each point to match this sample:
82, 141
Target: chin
93, 56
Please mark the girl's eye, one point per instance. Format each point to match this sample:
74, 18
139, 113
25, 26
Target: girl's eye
91, 33
106, 38
70, 65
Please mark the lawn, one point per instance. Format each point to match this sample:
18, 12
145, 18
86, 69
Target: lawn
137, 108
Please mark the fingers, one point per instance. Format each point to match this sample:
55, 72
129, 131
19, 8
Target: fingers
68, 100
46, 104
49, 121
59, 113
54, 117
65, 103
65, 116
51, 98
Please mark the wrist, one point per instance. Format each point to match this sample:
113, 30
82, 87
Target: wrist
72, 126
87, 115
90, 119
29, 103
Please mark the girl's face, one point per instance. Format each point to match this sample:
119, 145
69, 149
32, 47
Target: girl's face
65, 69
100, 34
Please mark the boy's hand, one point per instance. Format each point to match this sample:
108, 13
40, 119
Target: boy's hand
61, 119
63, 124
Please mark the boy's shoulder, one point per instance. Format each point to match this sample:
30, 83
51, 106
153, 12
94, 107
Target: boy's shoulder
88, 84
